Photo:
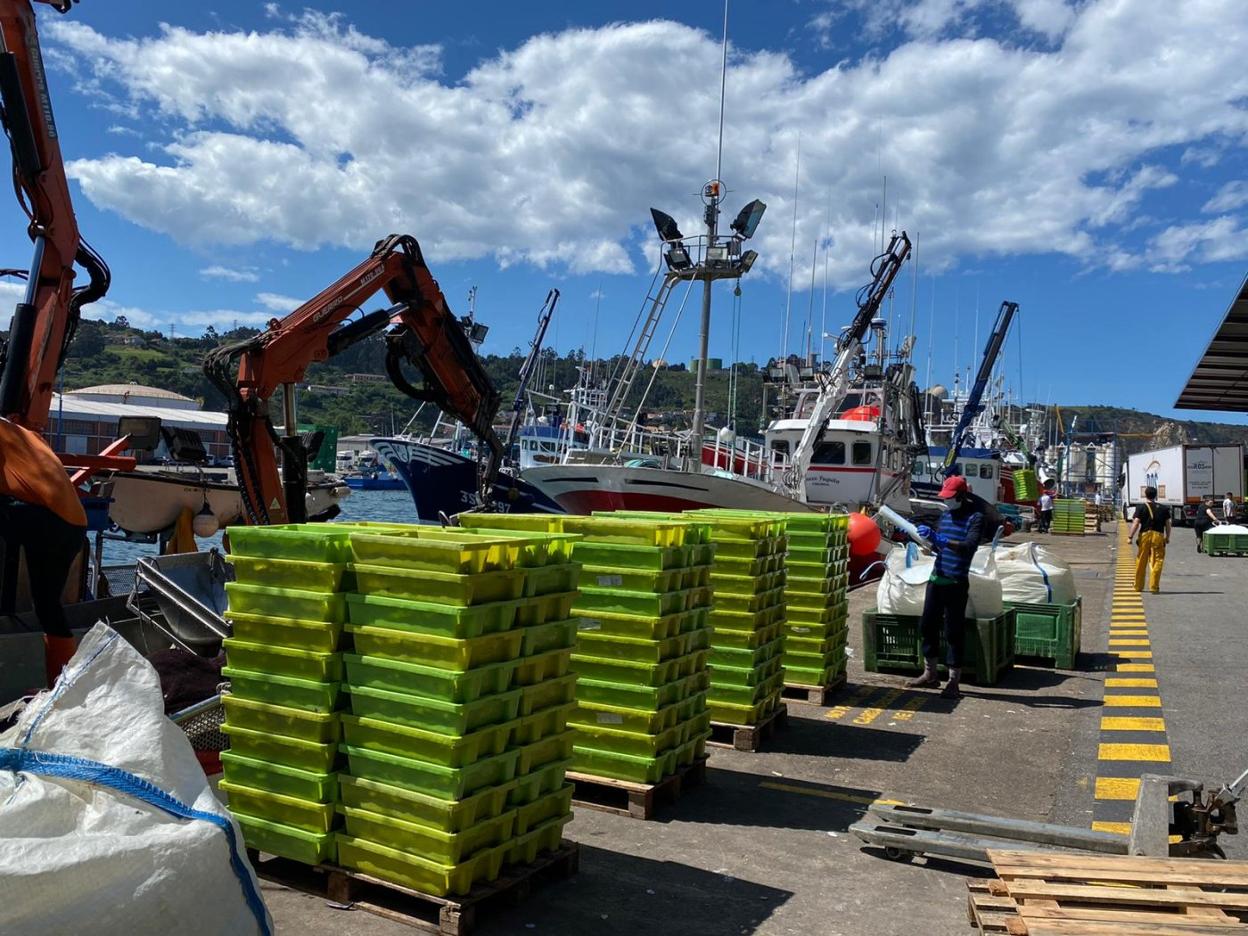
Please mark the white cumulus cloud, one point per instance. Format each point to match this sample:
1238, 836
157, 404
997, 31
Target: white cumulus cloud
313, 134
230, 274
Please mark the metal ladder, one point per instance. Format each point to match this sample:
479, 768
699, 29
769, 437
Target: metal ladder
622, 383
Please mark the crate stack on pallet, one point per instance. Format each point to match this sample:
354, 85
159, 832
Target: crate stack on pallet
460, 689
641, 652
286, 609
816, 599
1068, 514
1026, 486
747, 639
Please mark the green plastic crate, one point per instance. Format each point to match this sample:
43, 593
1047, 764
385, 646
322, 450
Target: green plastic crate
727, 638
319, 727
276, 839
317, 636
524, 523
587, 760
626, 718
439, 587
733, 713
465, 554
428, 617
544, 808
1051, 631
542, 609
551, 579
745, 695
553, 635
543, 695
285, 691
827, 675
637, 558
741, 657
278, 778
725, 675
643, 626
636, 649
525, 849
893, 642
538, 783
288, 573
655, 581
775, 598
542, 667
304, 815
444, 684
542, 754
422, 809
627, 531
369, 734
621, 741
619, 601
632, 696
448, 848
283, 661
408, 646
450, 718
541, 724
291, 603
312, 756
450, 783
316, 542
417, 873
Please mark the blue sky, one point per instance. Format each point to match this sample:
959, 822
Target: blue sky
1085, 160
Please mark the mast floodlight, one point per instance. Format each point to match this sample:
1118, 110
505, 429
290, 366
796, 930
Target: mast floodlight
665, 224
746, 221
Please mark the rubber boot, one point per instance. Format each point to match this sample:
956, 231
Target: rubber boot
57, 651
929, 680
953, 688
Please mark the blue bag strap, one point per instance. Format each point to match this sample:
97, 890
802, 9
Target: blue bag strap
1048, 588
65, 767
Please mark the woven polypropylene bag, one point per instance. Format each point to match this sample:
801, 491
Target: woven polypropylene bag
107, 823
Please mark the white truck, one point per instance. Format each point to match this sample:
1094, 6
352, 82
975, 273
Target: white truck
1183, 475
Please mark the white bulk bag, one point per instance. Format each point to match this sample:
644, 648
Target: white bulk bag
107, 822
1032, 574
903, 587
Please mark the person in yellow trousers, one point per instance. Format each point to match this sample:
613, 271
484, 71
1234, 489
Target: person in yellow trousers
1152, 521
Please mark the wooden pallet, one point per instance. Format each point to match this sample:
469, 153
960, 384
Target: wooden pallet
748, 737
814, 695
446, 916
1070, 894
638, 800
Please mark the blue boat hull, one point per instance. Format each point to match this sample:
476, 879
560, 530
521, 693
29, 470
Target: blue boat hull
445, 483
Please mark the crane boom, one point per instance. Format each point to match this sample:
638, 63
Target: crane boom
835, 383
975, 399
529, 365
44, 322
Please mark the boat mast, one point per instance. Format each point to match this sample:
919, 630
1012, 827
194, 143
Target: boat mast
712, 193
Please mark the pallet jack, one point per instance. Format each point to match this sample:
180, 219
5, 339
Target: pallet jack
1173, 816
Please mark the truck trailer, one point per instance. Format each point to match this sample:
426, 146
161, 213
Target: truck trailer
1183, 475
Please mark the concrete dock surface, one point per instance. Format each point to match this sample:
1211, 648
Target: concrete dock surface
763, 847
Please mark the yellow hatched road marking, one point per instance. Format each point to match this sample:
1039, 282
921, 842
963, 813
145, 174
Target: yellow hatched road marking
1135, 668
1153, 753
855, 698
906, 710
1135, 654
1132, 701
1117, 828
1117, 788
1112, 682
1129, 642
1128, 632
868, 715
1113, 723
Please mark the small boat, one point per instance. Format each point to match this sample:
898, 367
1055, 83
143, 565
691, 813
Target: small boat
377, 479
150, 500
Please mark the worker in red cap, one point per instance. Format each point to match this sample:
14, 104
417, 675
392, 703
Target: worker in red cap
955, 540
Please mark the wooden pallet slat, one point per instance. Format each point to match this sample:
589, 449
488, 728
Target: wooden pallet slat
445, 916
637, 800
748, 738
814, 695
1070, 894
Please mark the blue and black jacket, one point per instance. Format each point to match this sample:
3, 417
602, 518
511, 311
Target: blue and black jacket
963, 527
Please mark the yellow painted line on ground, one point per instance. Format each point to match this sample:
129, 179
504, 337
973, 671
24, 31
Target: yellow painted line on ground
1135, 668
1128, 632
1134, 654
1117, 788
837, 795
1132, 701
1113, 682
1129, 642
1117, 828
1153, 753
868, 715
1115, 723
907, 709
854, 700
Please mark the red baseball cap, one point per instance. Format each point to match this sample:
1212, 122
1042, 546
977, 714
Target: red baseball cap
954, 485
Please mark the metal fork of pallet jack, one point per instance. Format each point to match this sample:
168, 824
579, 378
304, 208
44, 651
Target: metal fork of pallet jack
907, 831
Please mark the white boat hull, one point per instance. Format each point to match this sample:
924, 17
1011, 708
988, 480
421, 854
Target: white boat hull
150, 502
582, 489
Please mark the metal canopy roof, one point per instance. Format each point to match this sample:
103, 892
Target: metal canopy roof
1220, 380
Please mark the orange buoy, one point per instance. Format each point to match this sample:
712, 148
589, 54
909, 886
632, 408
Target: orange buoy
864, 535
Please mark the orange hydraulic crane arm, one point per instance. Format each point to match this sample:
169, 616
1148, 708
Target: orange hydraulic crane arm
423, 332
44, 322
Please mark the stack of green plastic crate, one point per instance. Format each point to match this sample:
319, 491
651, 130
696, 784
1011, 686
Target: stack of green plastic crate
747, 637
816, 599
641, 652
1068, 516
460, 689
284, 666
1026, 485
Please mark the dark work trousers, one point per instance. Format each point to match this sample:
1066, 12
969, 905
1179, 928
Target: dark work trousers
51, 544
945, 605
1046, 520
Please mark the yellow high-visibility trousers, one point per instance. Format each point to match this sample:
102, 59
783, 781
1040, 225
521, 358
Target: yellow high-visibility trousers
1152, 557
